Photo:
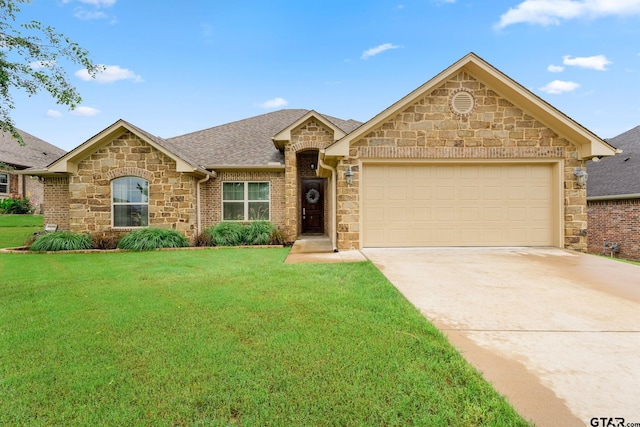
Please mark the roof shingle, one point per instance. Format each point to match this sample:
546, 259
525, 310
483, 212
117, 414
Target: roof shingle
34, 153
619, 174
245, 142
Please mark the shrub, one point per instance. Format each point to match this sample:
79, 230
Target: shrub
61, 241
278, 237
204, 239
105, 240
258, 233
227, 234
16, 204
147, 239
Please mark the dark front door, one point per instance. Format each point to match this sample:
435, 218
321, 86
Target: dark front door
312, 206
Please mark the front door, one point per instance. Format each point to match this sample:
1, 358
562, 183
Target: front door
312, 206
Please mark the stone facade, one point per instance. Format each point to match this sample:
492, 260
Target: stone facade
494, 129
86, 199
312, 135
615, 221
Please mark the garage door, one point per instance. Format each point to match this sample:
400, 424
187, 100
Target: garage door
457, 205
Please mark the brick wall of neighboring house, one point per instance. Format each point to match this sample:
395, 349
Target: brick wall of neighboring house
34, 190
616, 221
87, 197
495, 129
26, 186
313, 135
211, 195
56, 208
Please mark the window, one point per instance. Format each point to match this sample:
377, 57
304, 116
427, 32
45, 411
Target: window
4, 183
130, 202
245, 201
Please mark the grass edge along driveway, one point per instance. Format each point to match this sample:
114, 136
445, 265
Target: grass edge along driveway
224, 337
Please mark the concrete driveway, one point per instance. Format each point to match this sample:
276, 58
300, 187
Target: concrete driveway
557, 332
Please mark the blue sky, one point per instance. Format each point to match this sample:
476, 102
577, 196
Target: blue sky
174, 67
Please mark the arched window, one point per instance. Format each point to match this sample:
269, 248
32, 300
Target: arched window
130, 202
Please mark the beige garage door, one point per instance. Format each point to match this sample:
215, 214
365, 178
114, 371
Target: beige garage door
457, 205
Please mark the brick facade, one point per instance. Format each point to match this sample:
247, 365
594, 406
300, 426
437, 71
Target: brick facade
616, 221
56, 207
494, 129
27, 186
211, 195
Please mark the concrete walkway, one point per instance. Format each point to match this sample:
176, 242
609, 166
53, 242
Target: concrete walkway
319, 249
557, 332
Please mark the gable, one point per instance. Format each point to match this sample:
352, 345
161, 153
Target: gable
69, 162
489, 123
313, 125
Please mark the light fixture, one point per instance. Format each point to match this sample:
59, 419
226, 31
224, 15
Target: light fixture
312, 165
581, 176
349, 175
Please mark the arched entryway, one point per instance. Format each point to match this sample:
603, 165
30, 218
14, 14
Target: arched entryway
311, 194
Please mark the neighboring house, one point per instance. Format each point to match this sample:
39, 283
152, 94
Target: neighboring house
613, 199
34, 153
470, 158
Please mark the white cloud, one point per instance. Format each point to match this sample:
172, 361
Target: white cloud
110, 74
85, 111
555, 68
89, 15
274, 103
559, 86
54, 113
96, 3
377, 50
552, 12
598, 62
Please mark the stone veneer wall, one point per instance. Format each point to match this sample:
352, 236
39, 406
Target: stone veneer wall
211, 195
56, 208
312, 135
172, 195
495, 129
616, 221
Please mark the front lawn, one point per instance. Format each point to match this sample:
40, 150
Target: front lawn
223, 337
16, 229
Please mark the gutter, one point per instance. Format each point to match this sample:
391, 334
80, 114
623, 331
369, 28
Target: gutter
334, 192
198, 214
614, 197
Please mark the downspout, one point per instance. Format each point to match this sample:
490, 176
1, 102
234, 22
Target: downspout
198, 215
334, 204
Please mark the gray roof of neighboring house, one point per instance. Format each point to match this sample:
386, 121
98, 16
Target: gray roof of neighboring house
619, 174
245, 142
34, 153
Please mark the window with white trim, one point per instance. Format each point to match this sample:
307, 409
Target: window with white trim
246, 201
4, 183
130, 202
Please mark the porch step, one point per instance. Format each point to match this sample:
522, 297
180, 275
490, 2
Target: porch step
312, 245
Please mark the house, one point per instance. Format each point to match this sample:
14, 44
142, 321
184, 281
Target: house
470, 158
15, 157
613, 199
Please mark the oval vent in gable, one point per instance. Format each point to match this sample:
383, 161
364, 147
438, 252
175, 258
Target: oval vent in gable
462, 102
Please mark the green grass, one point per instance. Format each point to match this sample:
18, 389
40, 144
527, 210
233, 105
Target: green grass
16, 229
223, 337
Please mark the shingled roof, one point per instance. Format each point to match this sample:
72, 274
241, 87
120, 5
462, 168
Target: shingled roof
619, 174
34, 153
245, 142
